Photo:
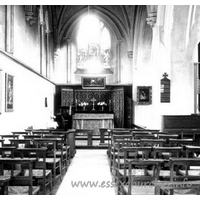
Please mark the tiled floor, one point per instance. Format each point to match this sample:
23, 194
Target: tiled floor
89, 169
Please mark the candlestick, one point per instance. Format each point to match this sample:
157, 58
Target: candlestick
76, 103
70, 110
93, 100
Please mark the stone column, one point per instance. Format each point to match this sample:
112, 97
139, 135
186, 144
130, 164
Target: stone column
48, 33
151, 20
68, 60
42, 43
9, 28
118, 74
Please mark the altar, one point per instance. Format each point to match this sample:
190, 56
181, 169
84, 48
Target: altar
93, 121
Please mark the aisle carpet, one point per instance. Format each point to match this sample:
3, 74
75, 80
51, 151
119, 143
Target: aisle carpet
88, 174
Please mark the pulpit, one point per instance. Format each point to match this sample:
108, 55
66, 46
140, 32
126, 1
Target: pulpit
93, 121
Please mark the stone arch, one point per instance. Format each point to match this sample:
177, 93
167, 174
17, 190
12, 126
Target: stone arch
142, 27
192, 46
113, 24
194, 36
193, 42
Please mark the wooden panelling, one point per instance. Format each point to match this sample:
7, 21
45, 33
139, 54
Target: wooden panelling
181, 121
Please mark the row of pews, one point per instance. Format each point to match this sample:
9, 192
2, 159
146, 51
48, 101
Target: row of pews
153, 162
32, 161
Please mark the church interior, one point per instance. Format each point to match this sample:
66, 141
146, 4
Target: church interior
114, 89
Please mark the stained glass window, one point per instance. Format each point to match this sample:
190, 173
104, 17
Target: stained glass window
93, 44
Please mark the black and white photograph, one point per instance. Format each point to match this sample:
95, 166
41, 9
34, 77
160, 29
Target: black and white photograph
99, 98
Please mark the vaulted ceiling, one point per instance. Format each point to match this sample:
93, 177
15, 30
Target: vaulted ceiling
66, 17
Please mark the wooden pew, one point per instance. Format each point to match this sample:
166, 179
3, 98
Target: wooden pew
181, 142
174, 186
6, 139
84, 134
103, 136
164, 187
69, 137
20, 133
52, 162
20, 185
118, 154
62, 150
117, 132
141, 184
134, 153
1, 142
42, 175
153, 142
193, 171
166, 153
4, 183
8, 152
116, 135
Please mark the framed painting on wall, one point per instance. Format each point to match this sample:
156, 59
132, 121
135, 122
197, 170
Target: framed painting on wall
9, 96
1, 83
93, 82
144, 95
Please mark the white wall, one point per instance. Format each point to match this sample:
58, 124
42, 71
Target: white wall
171, 52
30, 91
30, 88
26, 39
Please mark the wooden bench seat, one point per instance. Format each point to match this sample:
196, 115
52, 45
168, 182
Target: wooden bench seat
52, 162
4, 182
141, 184
42, 175
20, 185
180, 184
177, 187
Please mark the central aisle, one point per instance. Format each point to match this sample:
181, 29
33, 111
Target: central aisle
88, 174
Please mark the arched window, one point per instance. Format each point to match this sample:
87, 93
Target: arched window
93, 45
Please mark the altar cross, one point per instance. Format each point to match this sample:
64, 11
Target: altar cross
93, 100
